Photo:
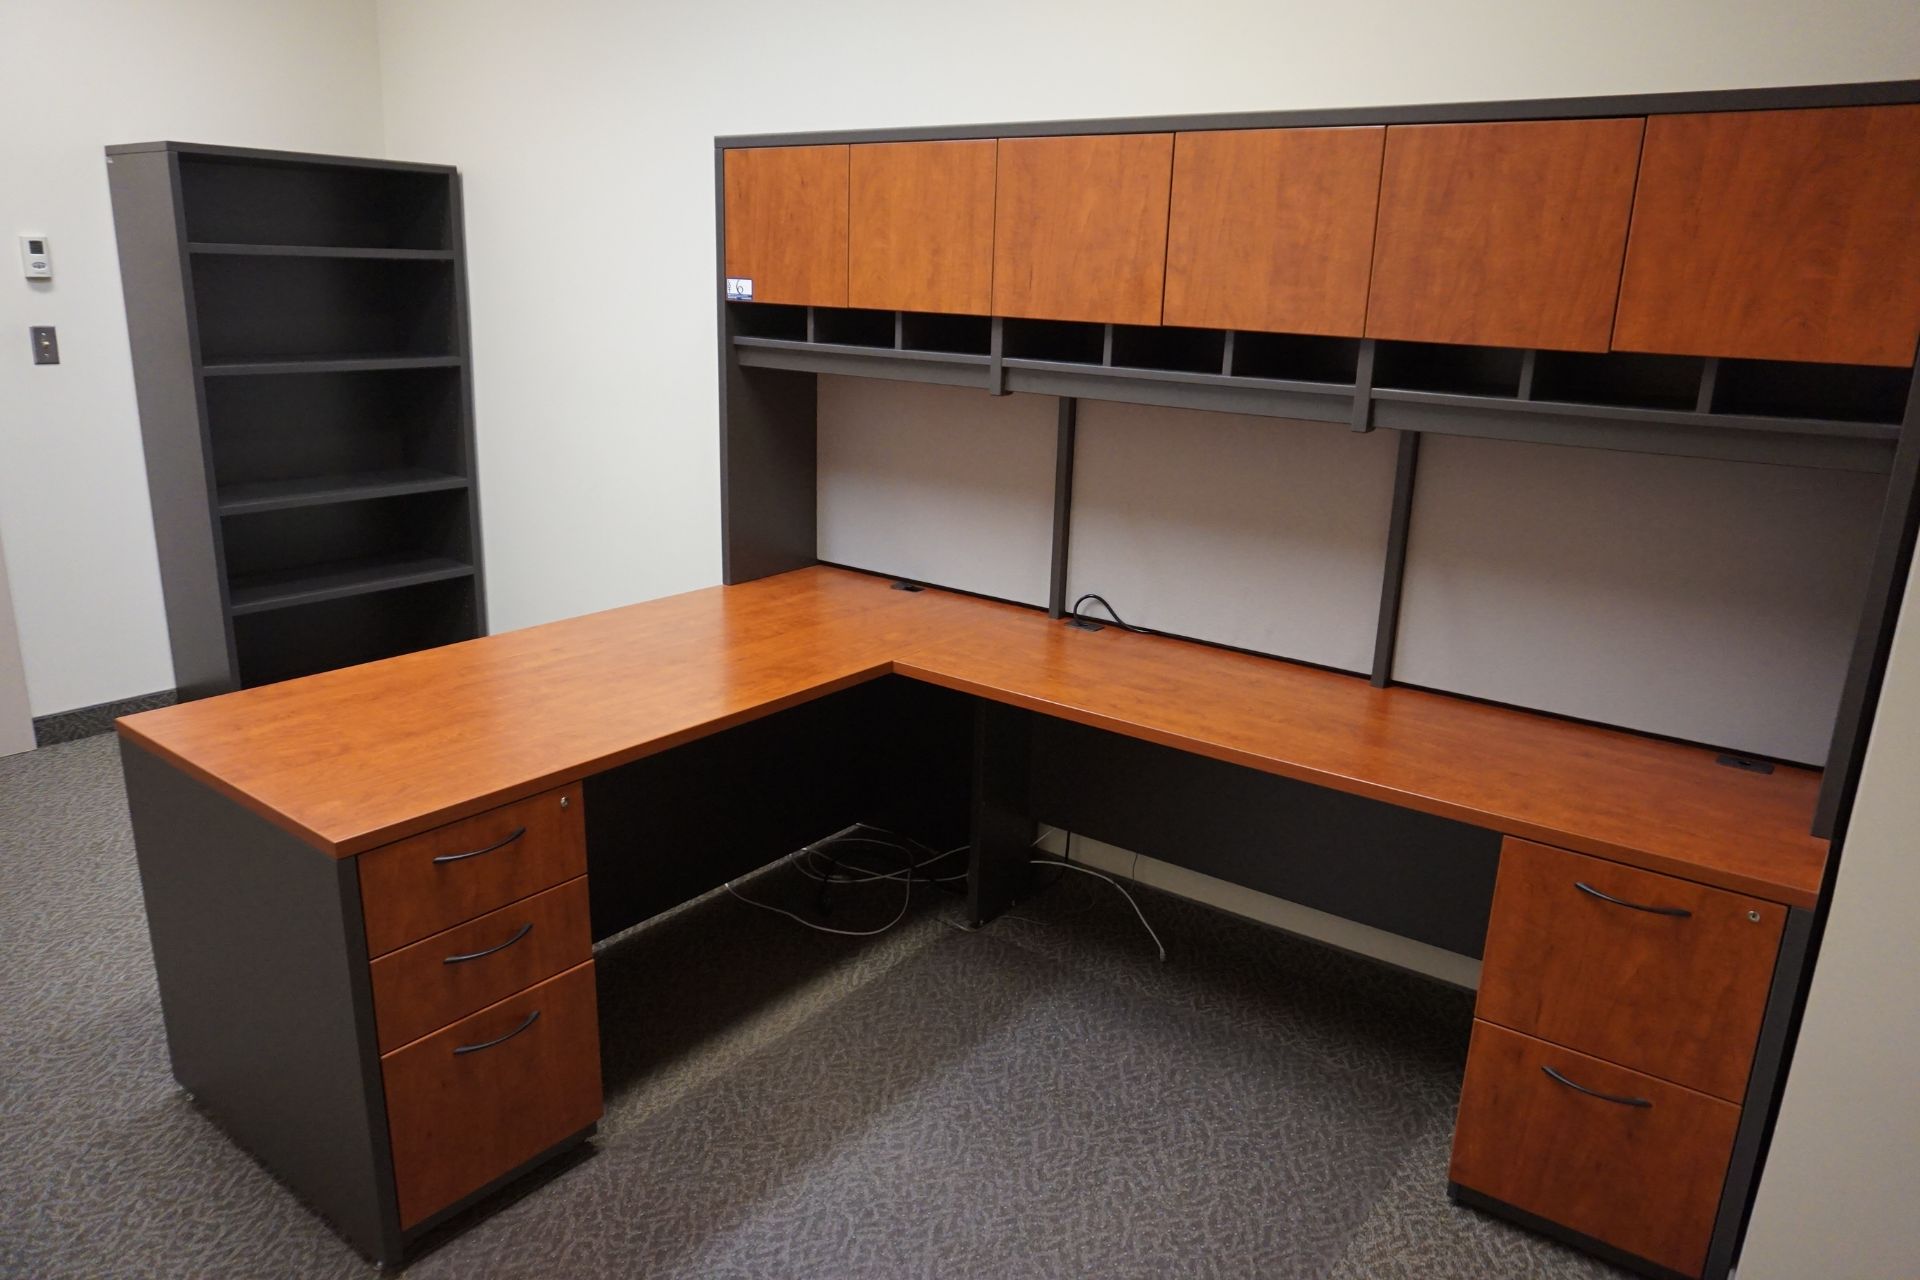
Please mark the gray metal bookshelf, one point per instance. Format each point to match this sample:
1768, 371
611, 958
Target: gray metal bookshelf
299, 335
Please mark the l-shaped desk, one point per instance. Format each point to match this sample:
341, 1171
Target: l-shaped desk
372, 892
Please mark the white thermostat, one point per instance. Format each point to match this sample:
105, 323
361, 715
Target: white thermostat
36, 256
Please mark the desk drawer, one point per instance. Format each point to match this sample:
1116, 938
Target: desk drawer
423, 987
1645, 1179
529, 1078
1678, 996
451, 874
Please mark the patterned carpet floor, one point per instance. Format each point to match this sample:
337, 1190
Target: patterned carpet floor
1039, 1098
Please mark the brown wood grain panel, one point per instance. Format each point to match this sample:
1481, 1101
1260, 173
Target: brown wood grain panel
528, 846
1781, 235
1273, 229
421, 988
1508, 234
358, 757
920, 226
786, 222
460, 1120
1677, 998
1643, 1179
1080, 227
365, 755
1655, 804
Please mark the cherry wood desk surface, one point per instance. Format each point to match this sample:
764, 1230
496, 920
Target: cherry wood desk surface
352, 759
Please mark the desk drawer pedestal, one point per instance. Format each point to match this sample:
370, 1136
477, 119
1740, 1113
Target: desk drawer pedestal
483, 997
337, 1061
1615, 1036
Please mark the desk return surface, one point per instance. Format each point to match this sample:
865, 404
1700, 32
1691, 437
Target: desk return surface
342, 946
352, 759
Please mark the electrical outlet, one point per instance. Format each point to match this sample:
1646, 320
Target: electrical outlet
46, 344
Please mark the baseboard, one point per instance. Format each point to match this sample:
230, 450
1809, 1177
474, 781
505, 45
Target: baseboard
1290, 917
85, 722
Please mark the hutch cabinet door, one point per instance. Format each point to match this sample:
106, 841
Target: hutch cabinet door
1777, 235
921, 226
1503, 235
786, 212
1273, 229
1080, 227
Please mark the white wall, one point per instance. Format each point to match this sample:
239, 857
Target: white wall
296, 74
1838, 1194
585, 129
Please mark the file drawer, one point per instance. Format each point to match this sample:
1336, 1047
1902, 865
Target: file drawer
422, 987
440, 878
478, 1099
1660, 975
1640, 1168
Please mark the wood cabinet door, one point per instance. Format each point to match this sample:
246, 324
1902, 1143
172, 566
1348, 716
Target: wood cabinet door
1504, 235
1631, 1161
474, 1101
1273, 229
423, 987
1661, 975
786, 222
1778, 235
429, 882
920, 226
1080, 227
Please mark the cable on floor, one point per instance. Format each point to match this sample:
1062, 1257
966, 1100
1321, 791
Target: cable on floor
1066, 866
847, 872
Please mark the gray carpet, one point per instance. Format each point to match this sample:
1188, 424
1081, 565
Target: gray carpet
1036, 1099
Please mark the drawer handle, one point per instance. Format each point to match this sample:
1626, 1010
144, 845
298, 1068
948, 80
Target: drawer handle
1594, 1093
488, 1044
462, 857
525, 929
1678, 913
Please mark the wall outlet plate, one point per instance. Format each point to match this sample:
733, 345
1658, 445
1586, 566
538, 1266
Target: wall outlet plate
46, 344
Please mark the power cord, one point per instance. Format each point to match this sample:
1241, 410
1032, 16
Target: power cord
1077, 619
845, 872
1066, 866
911, 873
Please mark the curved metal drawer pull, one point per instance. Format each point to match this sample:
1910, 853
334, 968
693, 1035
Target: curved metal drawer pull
462, 857
1594, 1093
525, 929
1678, 913
488, 1044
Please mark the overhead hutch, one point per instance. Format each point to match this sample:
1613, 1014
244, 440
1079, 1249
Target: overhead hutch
1730, 276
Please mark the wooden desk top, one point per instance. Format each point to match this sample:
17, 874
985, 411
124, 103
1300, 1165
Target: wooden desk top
356, 758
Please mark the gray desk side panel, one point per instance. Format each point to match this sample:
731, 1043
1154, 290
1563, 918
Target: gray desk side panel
260, 954
767, 466
172, 432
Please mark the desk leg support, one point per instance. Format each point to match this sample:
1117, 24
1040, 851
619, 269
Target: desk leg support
1003, 829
